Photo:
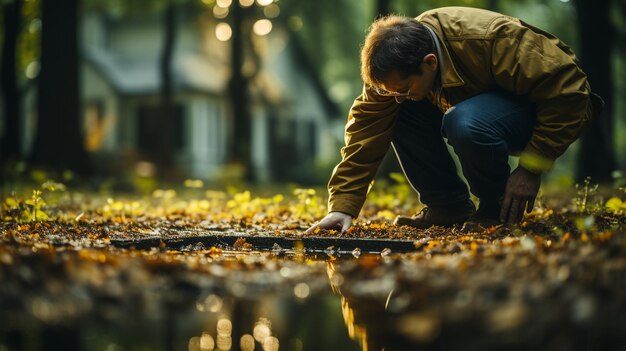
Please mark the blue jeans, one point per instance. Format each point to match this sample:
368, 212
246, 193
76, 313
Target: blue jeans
482, 130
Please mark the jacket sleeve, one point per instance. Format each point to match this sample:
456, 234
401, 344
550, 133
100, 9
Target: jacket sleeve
368, 135
530, 63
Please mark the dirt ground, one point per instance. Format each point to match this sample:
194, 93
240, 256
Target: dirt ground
556, 281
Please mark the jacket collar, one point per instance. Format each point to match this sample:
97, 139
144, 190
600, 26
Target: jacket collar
449, 75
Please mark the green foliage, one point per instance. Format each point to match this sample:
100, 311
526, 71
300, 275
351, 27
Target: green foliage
115, 208
242, 204
588, 201
51, 185
388, 196
36, 204
617, 204
309, 206
145, 185
21, 207
29, 44
18, 209
585, 200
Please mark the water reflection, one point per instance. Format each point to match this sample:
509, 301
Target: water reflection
259, 301
425, 302
166, 300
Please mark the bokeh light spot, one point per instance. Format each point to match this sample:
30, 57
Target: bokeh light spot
271, 11
223, 32
262, 27
224, 3
301, 290
246, 342
220, 12
270, 344
295, 23
206, 342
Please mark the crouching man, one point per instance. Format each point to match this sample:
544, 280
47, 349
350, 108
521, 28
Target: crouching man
490, 84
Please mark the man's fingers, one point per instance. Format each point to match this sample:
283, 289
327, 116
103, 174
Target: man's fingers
530, 205
333, 221
347, 222
520, 211
504, 210
330, 224
514, 211
311, 229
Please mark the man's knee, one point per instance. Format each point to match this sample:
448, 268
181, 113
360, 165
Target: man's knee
464, 131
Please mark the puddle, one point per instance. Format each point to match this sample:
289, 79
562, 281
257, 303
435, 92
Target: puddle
198, 297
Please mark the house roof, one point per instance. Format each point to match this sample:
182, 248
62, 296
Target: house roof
138, 74
141, 76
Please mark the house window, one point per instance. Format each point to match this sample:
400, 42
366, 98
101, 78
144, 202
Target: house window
150, 131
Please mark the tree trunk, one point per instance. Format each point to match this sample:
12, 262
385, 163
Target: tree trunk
165, 152
239, 99
59, 143
597, 157
492, 5
382, 8
11, 95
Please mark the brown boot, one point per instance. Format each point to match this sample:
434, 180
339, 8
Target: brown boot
439, 216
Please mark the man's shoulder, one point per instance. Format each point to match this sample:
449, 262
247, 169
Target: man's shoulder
463, 22
459, 12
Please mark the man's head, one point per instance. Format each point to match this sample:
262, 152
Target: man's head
398, 57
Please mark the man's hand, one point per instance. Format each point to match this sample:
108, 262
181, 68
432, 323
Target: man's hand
338, 221
520, 193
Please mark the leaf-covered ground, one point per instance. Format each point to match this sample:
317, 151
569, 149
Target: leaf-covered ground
556, 281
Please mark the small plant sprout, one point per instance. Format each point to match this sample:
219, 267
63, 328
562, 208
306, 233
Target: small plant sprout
18, 209
584, 194
36, 202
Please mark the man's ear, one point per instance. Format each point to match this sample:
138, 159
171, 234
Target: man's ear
431, 61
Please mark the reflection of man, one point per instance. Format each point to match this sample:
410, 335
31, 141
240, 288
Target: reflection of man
363, 316
373, 323
491, 84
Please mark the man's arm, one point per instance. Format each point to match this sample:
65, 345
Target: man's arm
368, 136
530, 63
367, 139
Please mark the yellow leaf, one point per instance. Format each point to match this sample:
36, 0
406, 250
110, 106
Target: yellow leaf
41, 216
615, 204
386, 214
432, 244
566, 237
11, 202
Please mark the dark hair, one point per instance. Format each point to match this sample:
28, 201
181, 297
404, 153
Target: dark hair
394, 43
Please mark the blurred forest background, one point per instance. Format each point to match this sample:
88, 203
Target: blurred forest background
239, 89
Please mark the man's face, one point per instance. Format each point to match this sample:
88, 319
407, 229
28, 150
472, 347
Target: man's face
416, 87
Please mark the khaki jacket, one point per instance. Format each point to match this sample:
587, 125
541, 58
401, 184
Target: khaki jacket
482, 51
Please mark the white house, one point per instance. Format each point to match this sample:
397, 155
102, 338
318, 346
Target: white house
291, 112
